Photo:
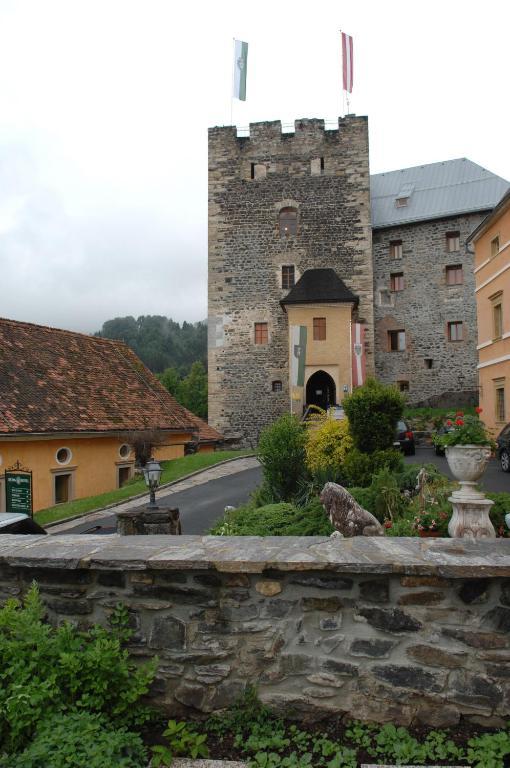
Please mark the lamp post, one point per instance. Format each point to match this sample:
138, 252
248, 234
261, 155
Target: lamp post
152, 474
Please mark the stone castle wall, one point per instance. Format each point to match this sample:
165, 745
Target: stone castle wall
425, 307
415, 631
246, 252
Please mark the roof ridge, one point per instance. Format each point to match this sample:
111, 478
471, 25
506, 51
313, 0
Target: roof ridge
428, 165
66, 331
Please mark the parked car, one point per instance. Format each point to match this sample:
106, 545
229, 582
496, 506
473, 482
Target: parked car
404, 438
503, 448
439, 449
17, 522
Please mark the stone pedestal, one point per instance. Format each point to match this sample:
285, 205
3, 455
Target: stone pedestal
146, 521
470, 519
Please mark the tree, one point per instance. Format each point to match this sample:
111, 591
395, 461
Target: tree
281, 452
171, 380
193, 390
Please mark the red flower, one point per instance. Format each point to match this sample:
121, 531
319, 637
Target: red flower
388, 524
449, 423
459, 422
459, 413
478, 409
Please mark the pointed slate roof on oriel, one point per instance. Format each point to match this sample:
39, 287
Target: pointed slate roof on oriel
319, 286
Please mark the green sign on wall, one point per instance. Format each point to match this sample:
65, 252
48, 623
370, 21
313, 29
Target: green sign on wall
18, 491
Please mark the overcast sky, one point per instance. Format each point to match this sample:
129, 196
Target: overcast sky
104, 109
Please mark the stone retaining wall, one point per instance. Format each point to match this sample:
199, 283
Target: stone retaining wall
383, 629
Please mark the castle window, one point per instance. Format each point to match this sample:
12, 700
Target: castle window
397, 281
455, 331
261, 334
277, 386
319, 328
396, 249
429, 362
497, 318
454, 275
403, 386
495, 246
317, 166
288, 276
288, 222
396, 341
258, 171
499, 399
453, 242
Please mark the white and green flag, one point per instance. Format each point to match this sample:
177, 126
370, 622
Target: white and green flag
298, 355
240, 67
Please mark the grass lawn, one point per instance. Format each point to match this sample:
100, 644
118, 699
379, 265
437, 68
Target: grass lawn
172, 470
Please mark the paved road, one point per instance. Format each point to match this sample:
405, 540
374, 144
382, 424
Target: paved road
200, 505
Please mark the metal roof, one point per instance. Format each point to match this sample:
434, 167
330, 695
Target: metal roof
433, 191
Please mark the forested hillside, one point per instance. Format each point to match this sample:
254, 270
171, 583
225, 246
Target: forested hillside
176, 354
160, 342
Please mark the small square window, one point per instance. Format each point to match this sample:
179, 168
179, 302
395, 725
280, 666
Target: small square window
317, 166
261, 333
403, 386
495, 246
454, 275
396, 249
397, 281
277, 386
453, 242
455, 331
319, 328
396, 341
288, 276
429, 363
401, 202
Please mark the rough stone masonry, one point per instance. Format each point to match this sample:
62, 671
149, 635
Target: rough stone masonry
401, 630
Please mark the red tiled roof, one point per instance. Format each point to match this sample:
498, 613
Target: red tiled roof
59, 381
206, 433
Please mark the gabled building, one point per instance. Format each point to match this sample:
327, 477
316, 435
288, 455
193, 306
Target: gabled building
424, 283
69, 404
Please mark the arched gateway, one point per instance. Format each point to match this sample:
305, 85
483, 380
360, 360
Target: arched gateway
320, 390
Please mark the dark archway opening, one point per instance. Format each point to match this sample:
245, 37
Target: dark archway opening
321, 390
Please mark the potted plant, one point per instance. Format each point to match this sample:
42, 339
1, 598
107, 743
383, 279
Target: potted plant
431, 523
468, 447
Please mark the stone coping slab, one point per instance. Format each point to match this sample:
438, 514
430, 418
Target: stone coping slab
450, 558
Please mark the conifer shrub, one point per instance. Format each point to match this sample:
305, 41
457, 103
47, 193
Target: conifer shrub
373, 411
328, 445
282, 453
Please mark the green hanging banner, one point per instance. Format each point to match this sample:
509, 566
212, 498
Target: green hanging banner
18, 490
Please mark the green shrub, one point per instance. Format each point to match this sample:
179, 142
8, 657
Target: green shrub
281, 519
390, 458
388, 502
364, 497
81, 740
358, 468
281, 451
499, 510
44, 670
373, 411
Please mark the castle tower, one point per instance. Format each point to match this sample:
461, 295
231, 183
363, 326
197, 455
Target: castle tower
289, 246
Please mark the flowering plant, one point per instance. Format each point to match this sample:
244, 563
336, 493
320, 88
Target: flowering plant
432, 520
465, 430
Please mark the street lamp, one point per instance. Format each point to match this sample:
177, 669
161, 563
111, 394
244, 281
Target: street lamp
152, 474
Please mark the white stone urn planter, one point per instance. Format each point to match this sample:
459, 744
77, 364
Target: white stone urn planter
471, 509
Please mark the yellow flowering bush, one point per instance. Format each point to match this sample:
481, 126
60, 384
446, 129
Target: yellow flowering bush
327, 445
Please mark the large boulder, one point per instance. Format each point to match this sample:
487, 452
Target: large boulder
346, 515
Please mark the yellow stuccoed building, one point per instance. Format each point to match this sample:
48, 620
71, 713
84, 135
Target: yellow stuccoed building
492, 273
321, 303
69, 407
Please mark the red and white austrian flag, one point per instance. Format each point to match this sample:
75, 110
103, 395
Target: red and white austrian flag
347, 61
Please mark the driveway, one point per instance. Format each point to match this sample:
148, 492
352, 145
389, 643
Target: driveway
201, 499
